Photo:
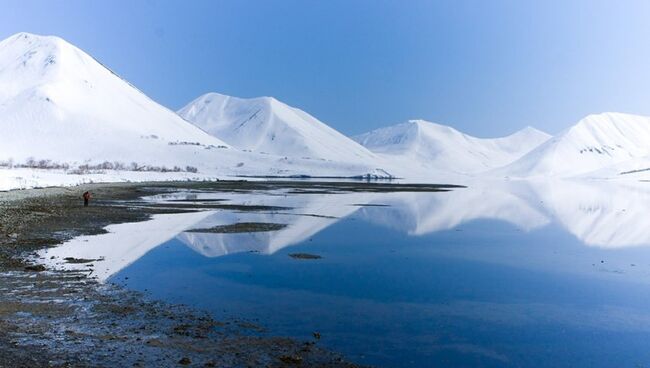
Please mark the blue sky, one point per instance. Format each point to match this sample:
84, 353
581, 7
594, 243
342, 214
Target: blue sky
485, 67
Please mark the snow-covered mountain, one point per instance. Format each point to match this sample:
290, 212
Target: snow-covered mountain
58, 103
594, 143
60, 108
439, 147
265, 124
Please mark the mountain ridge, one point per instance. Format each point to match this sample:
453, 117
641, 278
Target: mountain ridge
265, 124
60, 104
444, 148
594, 143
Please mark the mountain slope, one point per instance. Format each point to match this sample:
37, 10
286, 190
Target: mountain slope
594, 143
58, 103
439, 147
265, 124
61, 108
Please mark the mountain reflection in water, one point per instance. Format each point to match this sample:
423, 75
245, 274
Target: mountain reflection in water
497, 274
607, 215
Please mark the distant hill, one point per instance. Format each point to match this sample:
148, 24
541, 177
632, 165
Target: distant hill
438, 147
594, 143
265, 124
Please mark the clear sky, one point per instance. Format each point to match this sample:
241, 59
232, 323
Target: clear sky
485, 67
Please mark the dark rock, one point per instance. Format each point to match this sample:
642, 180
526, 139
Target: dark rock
291, 359
304, 256
185, 361
35, 268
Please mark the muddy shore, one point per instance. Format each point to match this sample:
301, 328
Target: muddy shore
55, 318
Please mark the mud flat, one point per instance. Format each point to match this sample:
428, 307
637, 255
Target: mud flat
57, 318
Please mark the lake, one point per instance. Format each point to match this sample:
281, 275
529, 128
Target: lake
521, 274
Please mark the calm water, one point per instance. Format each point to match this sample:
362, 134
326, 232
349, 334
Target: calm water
518, 275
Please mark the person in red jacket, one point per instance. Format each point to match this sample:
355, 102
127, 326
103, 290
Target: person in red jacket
86, 196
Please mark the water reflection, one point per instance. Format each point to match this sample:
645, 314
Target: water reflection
420, 214
497, 274
310, 214
603, 214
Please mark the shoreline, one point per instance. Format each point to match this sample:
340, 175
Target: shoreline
58, 318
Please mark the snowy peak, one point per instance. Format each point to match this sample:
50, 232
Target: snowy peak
629, 130
213, 111
595, 142
528, 134
522, 141
58, 103
267, 125
30, 61
411, 136
439, 147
